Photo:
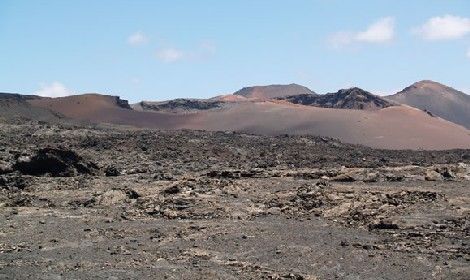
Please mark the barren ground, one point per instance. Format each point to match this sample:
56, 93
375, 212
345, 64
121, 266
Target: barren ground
80, 202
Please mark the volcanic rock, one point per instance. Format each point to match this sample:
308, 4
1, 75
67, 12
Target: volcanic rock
178, 105
352, 98
55, 162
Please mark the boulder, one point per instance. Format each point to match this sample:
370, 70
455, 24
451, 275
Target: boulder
112, 171
54, 162
5, 167
112, 197
432, 175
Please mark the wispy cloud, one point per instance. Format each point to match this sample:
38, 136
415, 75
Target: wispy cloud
170, 55
445, 27
381, 31
340, 39
468, 53
54, 89
137, 39
207, 47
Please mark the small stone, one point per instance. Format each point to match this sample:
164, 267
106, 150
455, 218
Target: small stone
112, 171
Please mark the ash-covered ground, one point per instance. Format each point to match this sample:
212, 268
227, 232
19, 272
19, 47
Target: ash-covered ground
82, 202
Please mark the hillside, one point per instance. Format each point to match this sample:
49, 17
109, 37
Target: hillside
438, 99
15, 108
397, 127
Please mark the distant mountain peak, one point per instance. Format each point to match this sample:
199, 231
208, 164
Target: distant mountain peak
427, 82
427, 86
354, 90
441, 100
273, 91
354, 98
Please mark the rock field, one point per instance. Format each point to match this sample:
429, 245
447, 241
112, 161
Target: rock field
102, 202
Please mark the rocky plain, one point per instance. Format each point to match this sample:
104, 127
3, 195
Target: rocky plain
106, 202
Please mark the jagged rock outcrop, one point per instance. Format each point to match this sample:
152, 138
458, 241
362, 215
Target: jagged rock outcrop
352, 98
178, 105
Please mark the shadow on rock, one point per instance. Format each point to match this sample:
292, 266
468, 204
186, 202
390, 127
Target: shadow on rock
56, 163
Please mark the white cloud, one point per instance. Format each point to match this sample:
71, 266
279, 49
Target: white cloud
444, 28
381, 31
137, 39
468, 53
54, 89
170, 55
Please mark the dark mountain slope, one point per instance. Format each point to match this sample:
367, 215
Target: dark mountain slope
180, 105
352, 98
15, 108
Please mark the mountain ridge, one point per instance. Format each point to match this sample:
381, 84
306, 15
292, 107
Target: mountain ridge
352, 98
350, 115
437, 99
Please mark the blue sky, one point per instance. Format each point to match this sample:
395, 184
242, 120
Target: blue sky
155, 50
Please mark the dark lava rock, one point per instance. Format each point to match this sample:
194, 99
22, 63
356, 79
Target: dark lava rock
112, 171
294, 276
84, 202
353, 98
310, 196
5, 168
411, 197
164, 177
445, 172
12, 182
383, 225
132, 194
56, 163
224, 174
180, 105
172, 190
236, 174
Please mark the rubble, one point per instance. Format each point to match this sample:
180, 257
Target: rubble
90, 202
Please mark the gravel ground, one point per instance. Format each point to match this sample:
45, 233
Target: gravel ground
83, 202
